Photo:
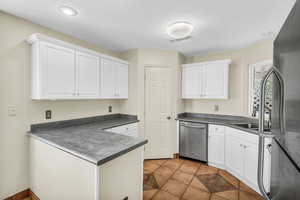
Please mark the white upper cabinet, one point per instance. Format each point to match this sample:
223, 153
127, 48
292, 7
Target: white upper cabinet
57, 71
62, 70
114, 80
88, 74
207, 80
121, 81
191, 82
108, 79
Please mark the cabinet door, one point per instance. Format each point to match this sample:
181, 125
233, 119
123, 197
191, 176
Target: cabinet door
192, 82
215, 78
234, 155
216, 149
251, 162
107, 79
87, 75
58, 71
121, 80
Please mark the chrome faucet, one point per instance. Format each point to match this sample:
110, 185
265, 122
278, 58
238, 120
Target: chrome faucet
269, 122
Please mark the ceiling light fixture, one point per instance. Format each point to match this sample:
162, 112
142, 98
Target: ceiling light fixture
180, 30
69, 11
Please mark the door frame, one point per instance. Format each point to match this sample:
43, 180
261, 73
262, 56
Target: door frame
173, 110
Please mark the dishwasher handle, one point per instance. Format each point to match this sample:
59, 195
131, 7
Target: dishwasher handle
193, 126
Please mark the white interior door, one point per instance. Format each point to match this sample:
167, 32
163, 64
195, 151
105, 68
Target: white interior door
87, 75
157, 112
58, 71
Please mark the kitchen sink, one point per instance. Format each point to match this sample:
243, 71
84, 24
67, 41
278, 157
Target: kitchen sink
251, 126
247, 125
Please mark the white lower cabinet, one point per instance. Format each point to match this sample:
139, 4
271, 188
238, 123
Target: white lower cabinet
128, 129
216, 147
237, 152
241, 157
234, 155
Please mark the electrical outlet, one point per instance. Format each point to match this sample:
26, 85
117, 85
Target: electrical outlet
110, 109
48, 114
12, 111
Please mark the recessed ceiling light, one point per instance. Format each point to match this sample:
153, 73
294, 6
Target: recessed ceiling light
180, 30
69, 11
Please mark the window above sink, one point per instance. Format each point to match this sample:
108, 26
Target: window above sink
256, 73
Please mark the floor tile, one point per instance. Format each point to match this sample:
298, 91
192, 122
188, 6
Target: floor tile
249, 196
229, 195
157, 162
204, 169
150, 166
148, 194
228, 177
172, 165
215, 183
150, 182
174, 187
197, 184
183, 177
165, 171
195, 194
162, 195
189, 168
215, 197
160, 179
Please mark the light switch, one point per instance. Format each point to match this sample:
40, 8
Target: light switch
216, 108
12, 111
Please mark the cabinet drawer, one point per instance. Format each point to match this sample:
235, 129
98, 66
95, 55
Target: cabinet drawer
245, 136
216, 129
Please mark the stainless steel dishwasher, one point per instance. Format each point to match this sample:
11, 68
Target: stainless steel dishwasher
193, 140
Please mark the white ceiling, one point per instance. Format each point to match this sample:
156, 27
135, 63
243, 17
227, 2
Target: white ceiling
126, 24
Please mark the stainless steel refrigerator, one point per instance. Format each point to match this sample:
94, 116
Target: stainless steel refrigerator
285, 168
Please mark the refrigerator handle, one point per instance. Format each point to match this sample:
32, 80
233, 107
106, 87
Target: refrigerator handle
263, 135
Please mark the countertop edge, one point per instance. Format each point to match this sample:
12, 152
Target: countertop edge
219, 123
86, 158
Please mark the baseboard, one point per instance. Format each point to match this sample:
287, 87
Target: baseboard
22, 195
19, 196
176, 155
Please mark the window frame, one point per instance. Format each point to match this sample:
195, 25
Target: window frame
252, 69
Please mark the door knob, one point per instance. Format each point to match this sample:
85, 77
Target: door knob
168, 118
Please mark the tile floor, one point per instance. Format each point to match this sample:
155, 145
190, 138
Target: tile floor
179, 179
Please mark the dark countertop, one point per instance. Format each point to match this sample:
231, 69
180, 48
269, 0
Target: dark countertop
224, 120
87, 139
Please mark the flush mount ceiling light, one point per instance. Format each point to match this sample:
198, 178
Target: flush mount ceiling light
180, 30
67, 10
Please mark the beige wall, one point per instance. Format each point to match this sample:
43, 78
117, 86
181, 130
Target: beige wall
139, 59
237, 104
14, 91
